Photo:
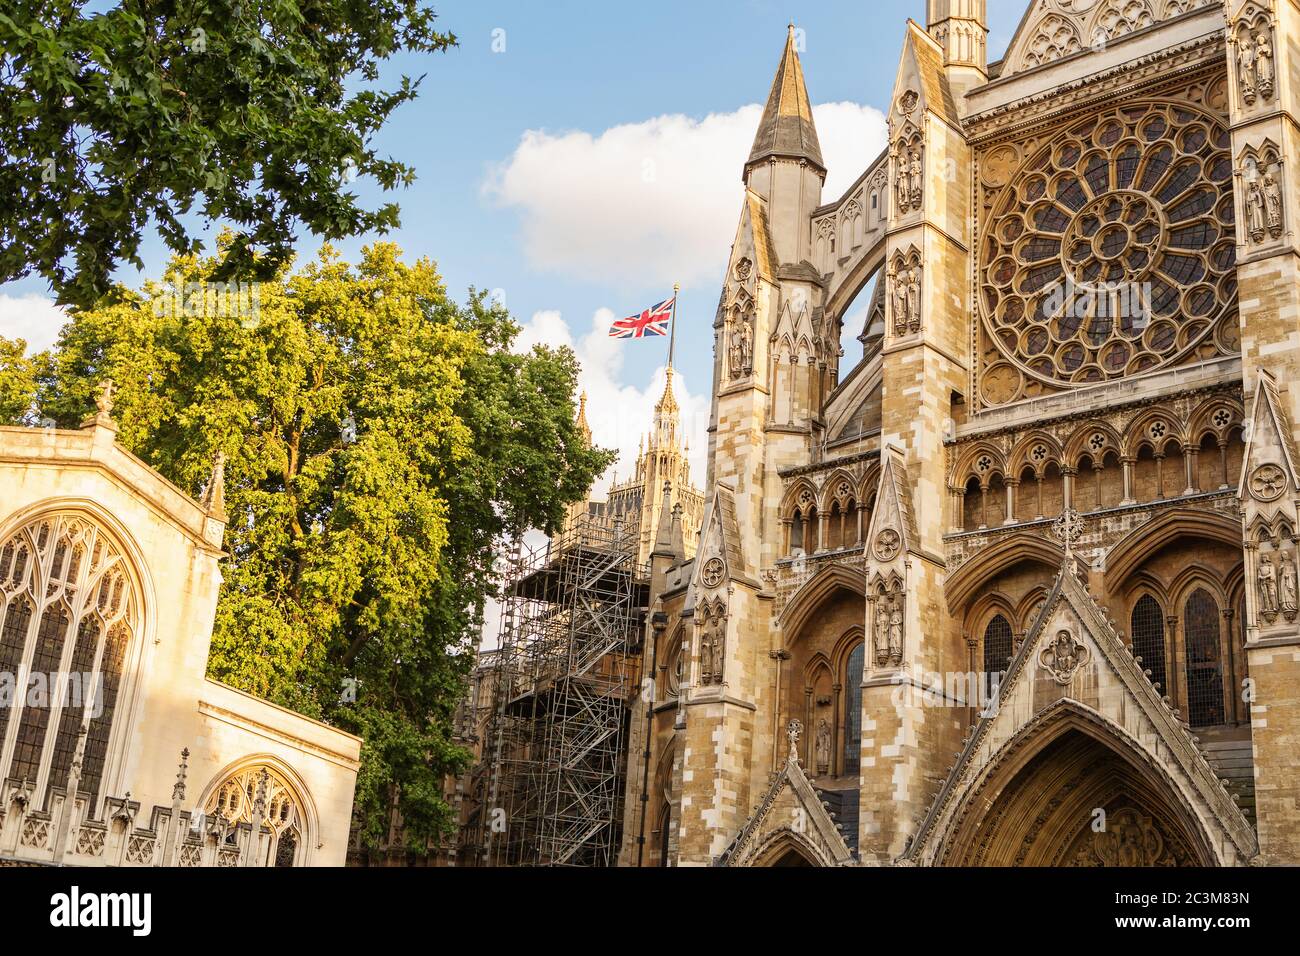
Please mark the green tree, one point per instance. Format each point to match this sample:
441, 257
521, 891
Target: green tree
255, 113
381, 441
20, 384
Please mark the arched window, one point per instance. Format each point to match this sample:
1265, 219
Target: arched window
1148, 628
260, 792
68, 611
853, 710
997, 652
1204, 669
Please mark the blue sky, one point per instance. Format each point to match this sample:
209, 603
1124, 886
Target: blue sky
581, 156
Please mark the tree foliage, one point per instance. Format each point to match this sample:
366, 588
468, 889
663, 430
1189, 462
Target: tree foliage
381, 441
257, 113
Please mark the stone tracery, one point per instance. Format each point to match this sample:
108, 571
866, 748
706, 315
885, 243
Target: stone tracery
1112, 252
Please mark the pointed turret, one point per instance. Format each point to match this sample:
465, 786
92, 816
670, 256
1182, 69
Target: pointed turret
214, 496
787, 129
584, 429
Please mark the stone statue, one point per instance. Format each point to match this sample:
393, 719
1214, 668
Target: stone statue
746, 347
881, 635
1273, 204
896, 636
916, 178
1255, 210
1267, 586
904, 184
914, 300
1246, 68
1264, 65
900, 302
706, 656
823, 747
733, 348
719, 647
1286, 587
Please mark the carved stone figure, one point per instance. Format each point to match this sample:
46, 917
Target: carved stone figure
719, 645
914, 300
880, 637
915, 166
823, 747
1273, 204
746, 347
1246, 70
900, 302
1266, 584
1286, 586
1063, 657
1264, 64
904, 185
896, 636
1255, 215
706, 656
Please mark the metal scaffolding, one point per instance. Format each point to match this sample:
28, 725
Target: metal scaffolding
567, 672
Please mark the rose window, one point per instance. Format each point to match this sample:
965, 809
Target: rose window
1113, 251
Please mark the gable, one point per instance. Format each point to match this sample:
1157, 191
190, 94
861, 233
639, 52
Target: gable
1053, 30
790, 816
1073, 661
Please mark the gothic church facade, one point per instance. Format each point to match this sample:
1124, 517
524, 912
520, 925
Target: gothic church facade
1031, 562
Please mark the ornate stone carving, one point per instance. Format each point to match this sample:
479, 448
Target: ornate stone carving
1131, 839
904, 276
1064, 656
1255, 65
888, 616
1267, 482
887, 544
743, 269
711, 573
713, 643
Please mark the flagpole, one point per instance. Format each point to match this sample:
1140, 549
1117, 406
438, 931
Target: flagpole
672, 330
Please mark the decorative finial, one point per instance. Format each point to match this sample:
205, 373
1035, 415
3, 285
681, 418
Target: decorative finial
104, 402
103, 407
178, 791
792, 731
1068, 526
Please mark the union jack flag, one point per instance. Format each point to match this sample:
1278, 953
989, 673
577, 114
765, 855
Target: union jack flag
653, 321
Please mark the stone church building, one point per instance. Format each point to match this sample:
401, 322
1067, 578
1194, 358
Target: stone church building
115, 748
1020, 586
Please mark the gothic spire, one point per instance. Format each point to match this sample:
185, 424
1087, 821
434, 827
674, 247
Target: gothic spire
787, 127
584, 429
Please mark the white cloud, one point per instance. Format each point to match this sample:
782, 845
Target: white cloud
34, 318
656, 202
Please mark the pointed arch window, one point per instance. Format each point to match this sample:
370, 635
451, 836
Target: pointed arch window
1148, 629
260, 793
67, 617
1204, 665
853, 710
997, 652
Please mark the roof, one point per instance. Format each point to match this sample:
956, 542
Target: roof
787, 128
